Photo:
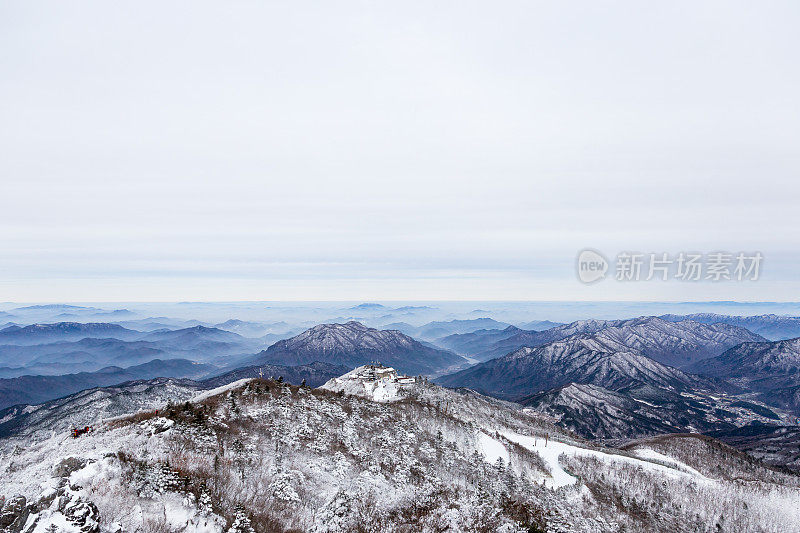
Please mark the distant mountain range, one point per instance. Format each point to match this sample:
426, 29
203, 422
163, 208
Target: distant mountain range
437, 329
156, 323
599, 413
676, 344
604, 380
772, 327
757, 365
55, 307
38, 389
476, 342
65, 357
64, 331
44, 361
69, 347
354, 344
581, 358
771, 369
192, 336
204, 339
532, 339
62, 312
255, 329
539, 325
368, 306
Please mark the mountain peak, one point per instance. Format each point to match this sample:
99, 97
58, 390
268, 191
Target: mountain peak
773, 360
353, 344
368, 306
673, 343
770, 326
581, 358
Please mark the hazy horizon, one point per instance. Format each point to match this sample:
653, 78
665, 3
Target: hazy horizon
386, 313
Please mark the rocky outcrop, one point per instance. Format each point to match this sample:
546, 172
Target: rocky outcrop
14, 514
67, 466
54, 507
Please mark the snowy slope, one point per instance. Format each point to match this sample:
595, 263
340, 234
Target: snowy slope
551, 450
272, 457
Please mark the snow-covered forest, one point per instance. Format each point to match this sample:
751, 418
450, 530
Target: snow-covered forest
264, 456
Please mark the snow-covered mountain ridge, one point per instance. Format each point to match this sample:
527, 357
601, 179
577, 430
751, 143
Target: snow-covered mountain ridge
93, 405
601, 384
672, 343
265, 456
599, 413
755, 361
771, 326
581, 358
769, 369
354, 344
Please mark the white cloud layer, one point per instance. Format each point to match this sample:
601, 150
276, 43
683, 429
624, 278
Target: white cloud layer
303, 150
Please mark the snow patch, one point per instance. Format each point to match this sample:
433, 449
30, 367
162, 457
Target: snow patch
219, 390
652, 455
492, 449
644, 402
550, 452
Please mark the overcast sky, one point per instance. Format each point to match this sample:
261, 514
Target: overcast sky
405, 150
